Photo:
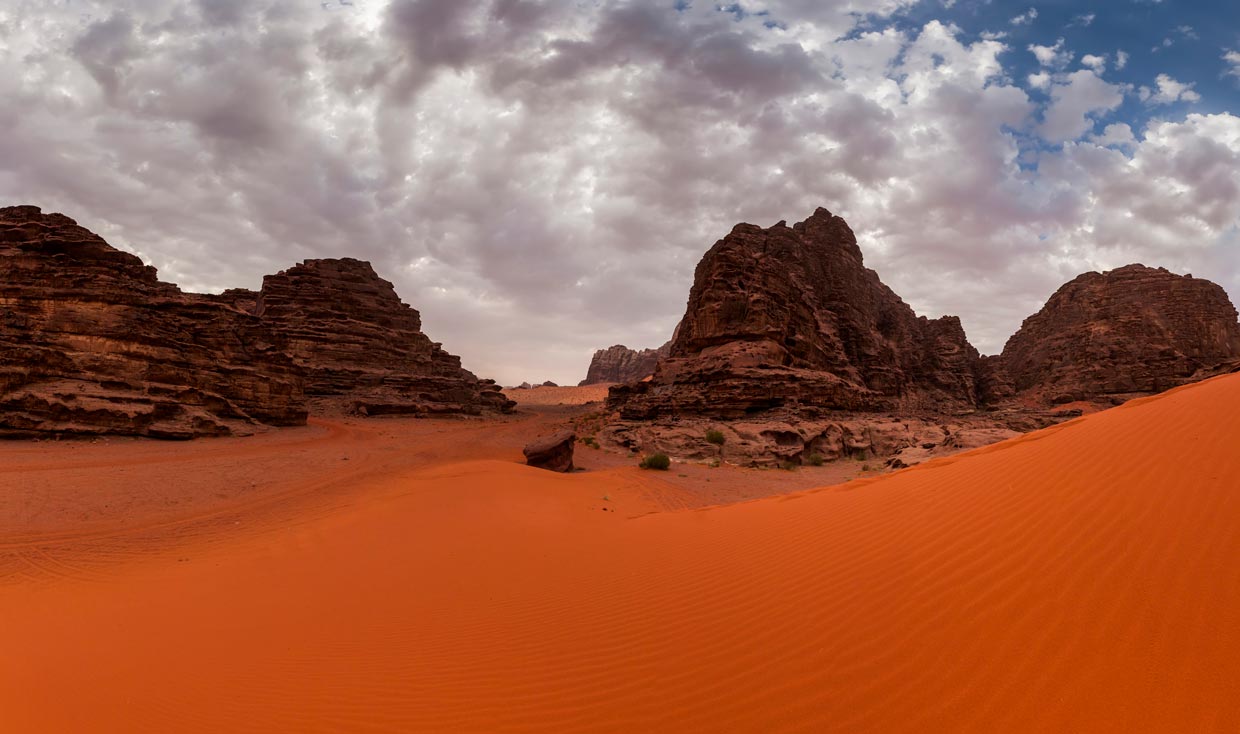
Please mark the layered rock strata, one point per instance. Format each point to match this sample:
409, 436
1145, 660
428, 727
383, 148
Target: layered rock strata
360, 347
1132, 330
621, 364
790, 317
91, 342
800, 349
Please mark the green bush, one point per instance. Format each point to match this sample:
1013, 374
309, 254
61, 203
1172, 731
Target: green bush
715, 437
816, 460
656, 461
789, 466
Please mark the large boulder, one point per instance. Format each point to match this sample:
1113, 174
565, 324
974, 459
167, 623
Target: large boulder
554, 452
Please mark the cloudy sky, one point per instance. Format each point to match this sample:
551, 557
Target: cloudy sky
539, 177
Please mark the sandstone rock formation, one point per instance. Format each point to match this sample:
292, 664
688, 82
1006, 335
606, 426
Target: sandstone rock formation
790, 317
92, 342
554, 452
360, 347
781, 440
621, 364
1131, 330
803, 351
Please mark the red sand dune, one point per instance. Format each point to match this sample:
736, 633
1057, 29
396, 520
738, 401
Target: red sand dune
1083, 578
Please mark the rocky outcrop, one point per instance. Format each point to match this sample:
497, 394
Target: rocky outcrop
360, 347
1133, 330
783, 440
800, 351
554, 452
621, 364
790, 318
92, 342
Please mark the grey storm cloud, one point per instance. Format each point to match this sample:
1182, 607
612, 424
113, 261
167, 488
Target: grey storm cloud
540, 178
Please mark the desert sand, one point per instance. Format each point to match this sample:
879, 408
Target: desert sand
564, 395
409, 576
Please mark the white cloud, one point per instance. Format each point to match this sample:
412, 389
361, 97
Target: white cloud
1085, 20
1052, 56
1232, 58
1097, 63
1121, 59
1173, 201
1117, 134
1179, 33
550, 173
1077, 100
1026, 17
1167, 91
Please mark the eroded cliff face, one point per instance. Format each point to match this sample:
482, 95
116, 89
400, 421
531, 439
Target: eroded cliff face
621, 364
791, 317
362, 348
790, 341
92, 342
1134, 329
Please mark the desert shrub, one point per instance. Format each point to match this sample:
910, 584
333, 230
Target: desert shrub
816, 460
590, 441
715, 437
658, 461
865, 467
789, 466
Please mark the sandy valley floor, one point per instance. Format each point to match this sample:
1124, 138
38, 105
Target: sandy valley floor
413, 575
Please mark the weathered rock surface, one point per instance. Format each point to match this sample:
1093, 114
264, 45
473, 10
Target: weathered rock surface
621, 364
791, 317
1131, 330
360, 347
92, 342
800, 350
554, 452
780, 439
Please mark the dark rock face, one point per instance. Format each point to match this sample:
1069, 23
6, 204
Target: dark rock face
554, 452
1130, 330
790, 317
92, 342
794, 343
621, 364
361, 347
